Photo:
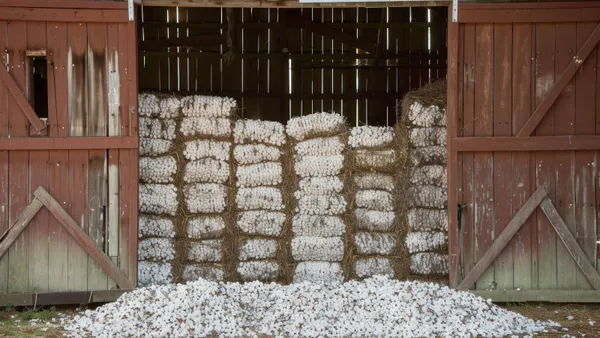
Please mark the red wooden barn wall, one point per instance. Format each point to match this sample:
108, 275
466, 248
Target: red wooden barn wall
92, 92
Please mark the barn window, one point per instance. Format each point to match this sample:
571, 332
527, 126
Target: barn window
38, 82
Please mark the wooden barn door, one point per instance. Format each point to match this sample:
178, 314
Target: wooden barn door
524, 145
68, 168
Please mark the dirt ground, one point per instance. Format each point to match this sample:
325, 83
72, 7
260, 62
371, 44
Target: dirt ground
579, 320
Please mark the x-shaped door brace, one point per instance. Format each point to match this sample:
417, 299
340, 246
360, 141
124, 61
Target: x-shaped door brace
37, 124
43, 198
540, 197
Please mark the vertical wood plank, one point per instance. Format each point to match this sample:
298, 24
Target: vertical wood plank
419, 72
125, 196
183, 69
295, 46
277, 69
455, 105
439, 22
4, 178
151, 72
112, 237
521, 179
77, 79
134, 164
483, 162
327, 86
545, 163
97, 124
362, 75
18, 125
77, 268
97, 212
350, 15
231, 77
58, 71
59, 238
173, 33
123, 74
503, 213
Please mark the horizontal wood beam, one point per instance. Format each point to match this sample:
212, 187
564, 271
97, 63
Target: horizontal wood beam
534, 143
263, 25
528, 15
68, 143
191, 41
82, 238
60, 298
529, 5
9, 237
555, 296
75, 4
289, 4
63, 15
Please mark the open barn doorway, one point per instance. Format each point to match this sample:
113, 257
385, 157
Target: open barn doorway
283, 62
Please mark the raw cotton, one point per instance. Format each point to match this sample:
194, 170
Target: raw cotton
157, 169
376, 307
374, 243
428, 196
428, 155
205, 227
154, 147
261, 222
255, 153
205, 127
257, 248
370, 136
321, 205
206, 170
313, 125
205, 251
429, 263
156, 249
373, 266
318, 248
375, 159
158, 199
375, 200
328, 273
425, 241
148, 105
429, 175
205, 198
327, 146
430, 116
307, 166
156, 226
209, 272
197, 149
318, 226
258, 270
320, 186
428, 219
207, 106
374, 181
374, 220
261, 198
260, 174
169, 106
428, 137
156, 128
257, 131
152, 273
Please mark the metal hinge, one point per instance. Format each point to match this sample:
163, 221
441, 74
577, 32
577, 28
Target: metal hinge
454, 10
130, 9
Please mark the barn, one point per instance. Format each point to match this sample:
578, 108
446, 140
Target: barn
523, 188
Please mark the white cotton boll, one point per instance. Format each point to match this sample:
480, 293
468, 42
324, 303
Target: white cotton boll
257, 131
156, 226
197, 149
374, 220
425, 241
158, 199
428, 219
169, 106
207, 106
428, 137
205, 251
156, 128
261, 198
322, 205
205, 226
319, 272
148, 105
429, 175
317, 124
318, 226
206, 170
321, 185
430, 116
153, 273
374, 181
261, 222
256, 153
205, 198
257, 249
372, 266
210, 272
307, 166
428, 155
154, 147
370, 136
375, 159
156, 249
375, 200
205, 127
260, 174
429, 263
322, 146
259, 270
374, 243
157, 169
329, 249
428, 196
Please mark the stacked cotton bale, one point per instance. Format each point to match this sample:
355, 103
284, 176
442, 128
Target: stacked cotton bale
426, 242
259, 198
375, 237
206, 133
158, 193
318, 224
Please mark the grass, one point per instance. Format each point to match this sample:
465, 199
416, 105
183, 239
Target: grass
25, 322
